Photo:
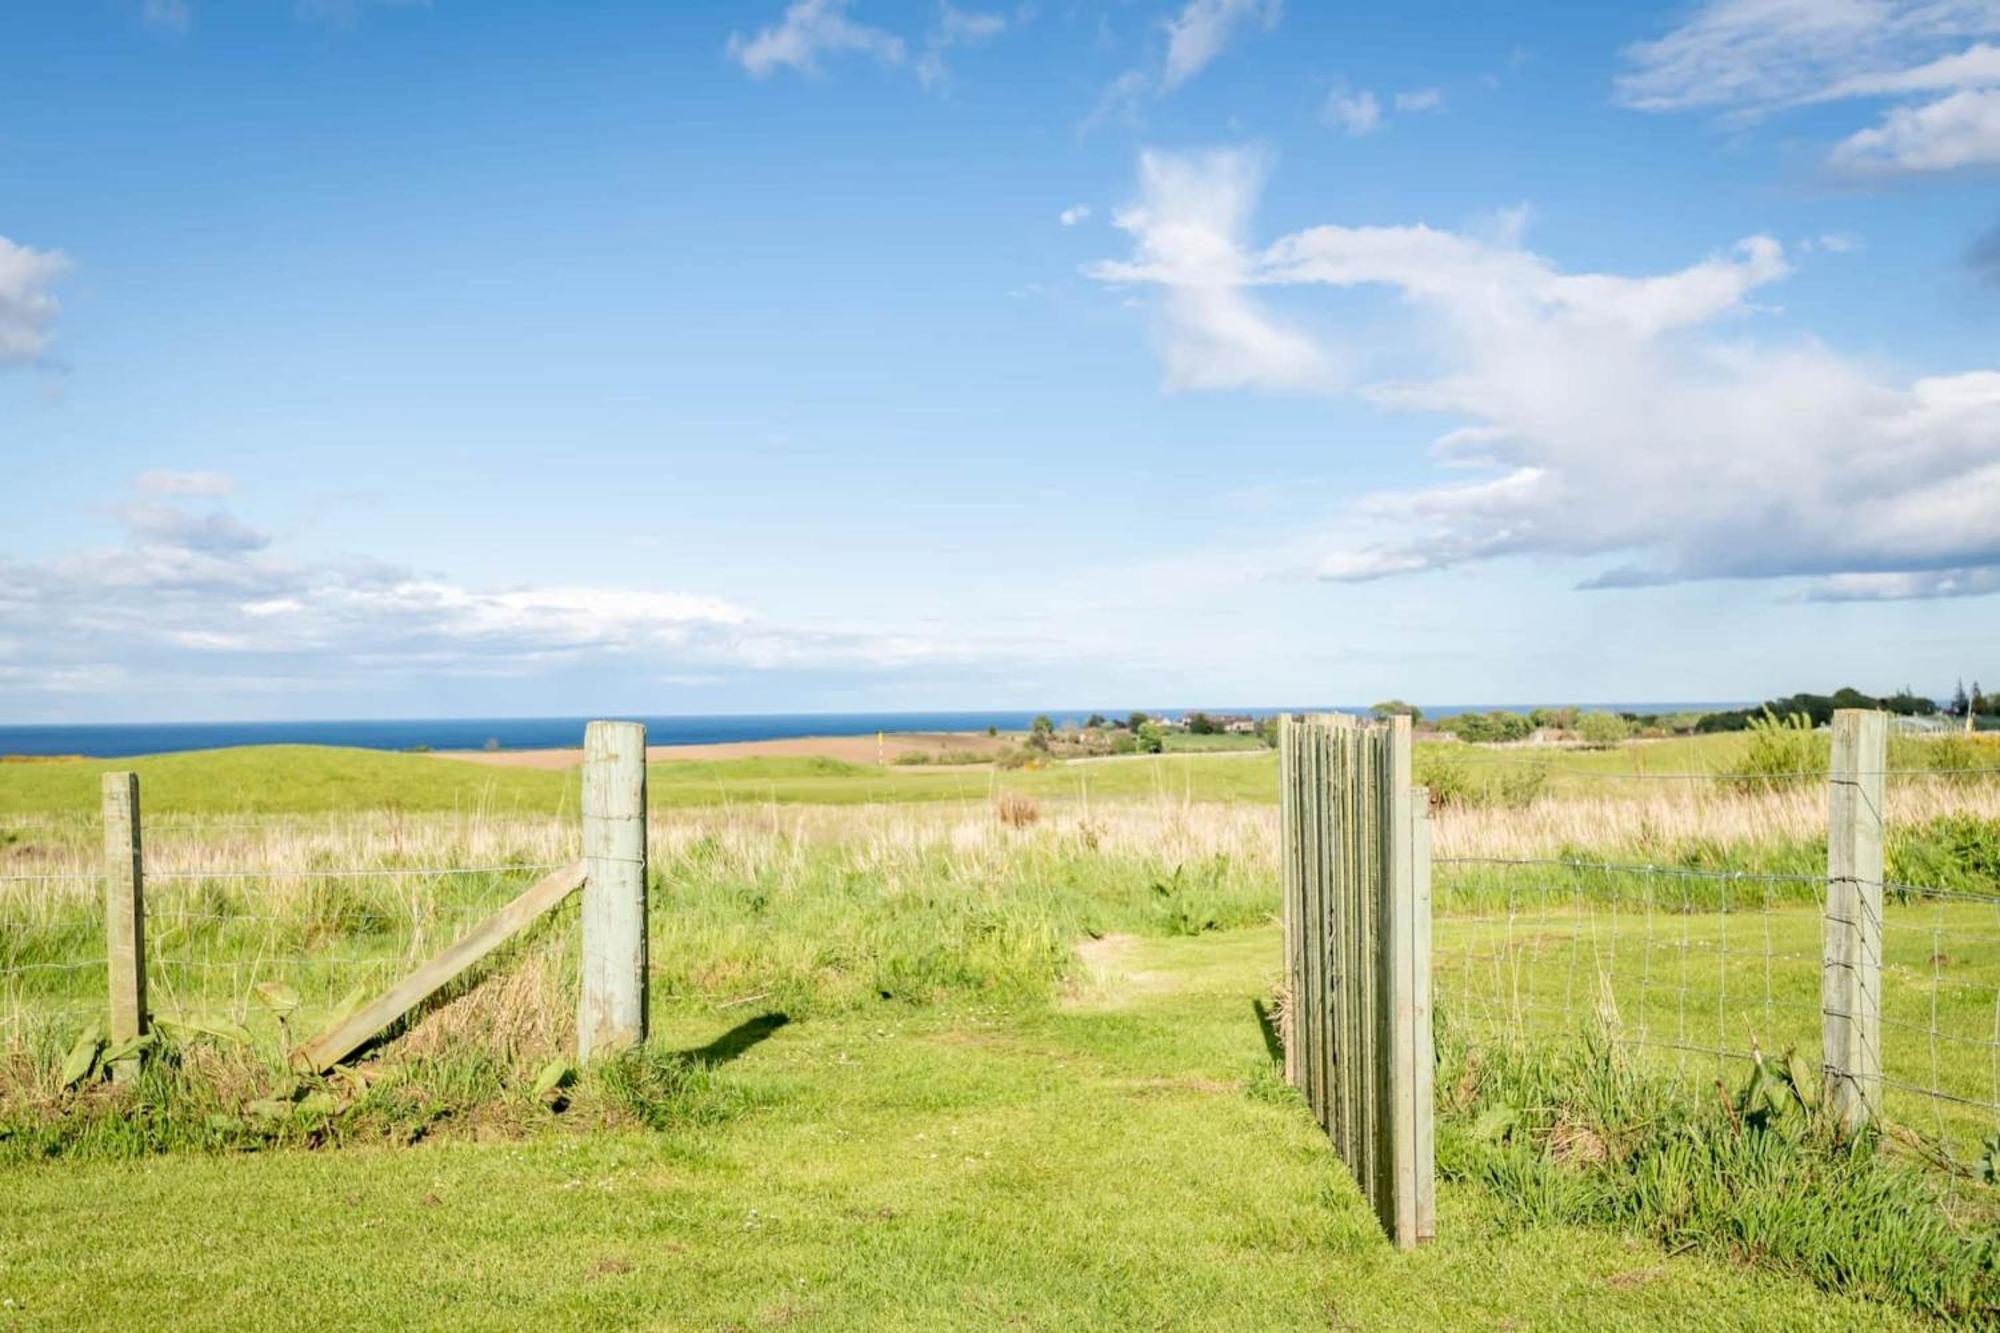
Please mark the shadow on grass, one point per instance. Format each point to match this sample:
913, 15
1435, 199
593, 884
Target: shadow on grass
1267, 1022
734, 1042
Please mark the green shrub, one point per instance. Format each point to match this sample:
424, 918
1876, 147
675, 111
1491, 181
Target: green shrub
1782, 752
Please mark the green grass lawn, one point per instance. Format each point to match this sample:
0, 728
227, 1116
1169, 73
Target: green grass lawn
1121, 1159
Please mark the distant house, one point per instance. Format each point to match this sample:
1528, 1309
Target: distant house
1240, 726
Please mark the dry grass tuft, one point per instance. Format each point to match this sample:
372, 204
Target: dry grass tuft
1016, 811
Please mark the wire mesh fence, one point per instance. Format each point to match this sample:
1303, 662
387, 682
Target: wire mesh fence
1720, 950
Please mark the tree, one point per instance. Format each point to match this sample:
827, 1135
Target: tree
1134, 722
1043, 725
1981, 703
1152, 740
1389, 708
1603, 728
1961, 706
1094, 722
1201, 724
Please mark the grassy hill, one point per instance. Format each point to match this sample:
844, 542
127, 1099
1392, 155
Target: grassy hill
301, 779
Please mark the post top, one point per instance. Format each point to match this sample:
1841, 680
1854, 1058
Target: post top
614, 737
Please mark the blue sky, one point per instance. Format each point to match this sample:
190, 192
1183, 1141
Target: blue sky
370, 358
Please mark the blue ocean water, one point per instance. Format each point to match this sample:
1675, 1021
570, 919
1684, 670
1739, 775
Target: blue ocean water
113, 739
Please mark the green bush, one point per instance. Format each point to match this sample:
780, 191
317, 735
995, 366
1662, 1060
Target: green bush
1782, 752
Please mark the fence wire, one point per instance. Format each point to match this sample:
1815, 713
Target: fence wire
333, 911
1694, 968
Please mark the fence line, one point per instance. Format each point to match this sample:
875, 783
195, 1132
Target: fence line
196, 944
1895, 984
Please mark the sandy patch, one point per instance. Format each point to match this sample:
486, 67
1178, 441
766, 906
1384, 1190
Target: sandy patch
852, 749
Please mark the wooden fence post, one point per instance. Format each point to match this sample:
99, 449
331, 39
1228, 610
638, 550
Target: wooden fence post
124, 913
1424, 1048
1398, 1004
1290, 886
612, 1009
1851, 977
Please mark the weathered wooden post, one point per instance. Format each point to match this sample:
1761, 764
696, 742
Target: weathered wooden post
124, 913
1288, 889
1423, 1054
612, 1010
1398, 1004
1851, 975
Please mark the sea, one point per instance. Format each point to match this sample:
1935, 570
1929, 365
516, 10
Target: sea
113, 739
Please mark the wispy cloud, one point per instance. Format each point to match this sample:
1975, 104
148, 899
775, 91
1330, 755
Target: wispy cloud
810, 30
28, 306
1200, 32
1420, 99
1074, 214
173, 15
1603, 416
955, 27
1352, 113
193, 593
1203, 30
1752, 58
164, 482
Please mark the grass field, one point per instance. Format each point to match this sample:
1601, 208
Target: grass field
918, 1066
289, 779
1119, 1158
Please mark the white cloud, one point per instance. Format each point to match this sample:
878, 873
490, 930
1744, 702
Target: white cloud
1352, 113
1754, 57
1203, 29
808, 30
171, 14
1607, 417
27, 305
1074, 214
1962, 130
1420, 99
201, 598
955, 27
1190, 229
1195, 37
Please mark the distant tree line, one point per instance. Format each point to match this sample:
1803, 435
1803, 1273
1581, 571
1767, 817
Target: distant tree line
1977, 703
1819, 708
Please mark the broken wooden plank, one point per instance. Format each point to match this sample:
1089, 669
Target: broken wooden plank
341, 1040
